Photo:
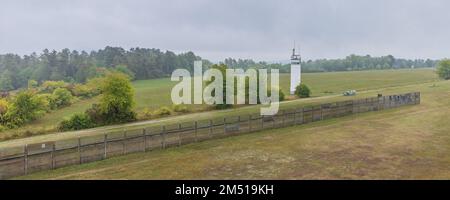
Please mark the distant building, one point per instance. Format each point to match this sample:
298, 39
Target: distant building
296, 71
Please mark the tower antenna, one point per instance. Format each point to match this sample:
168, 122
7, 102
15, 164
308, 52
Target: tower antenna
293, 49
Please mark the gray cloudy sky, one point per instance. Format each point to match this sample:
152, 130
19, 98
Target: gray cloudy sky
262, 30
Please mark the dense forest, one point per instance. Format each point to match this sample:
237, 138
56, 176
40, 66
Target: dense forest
144, 63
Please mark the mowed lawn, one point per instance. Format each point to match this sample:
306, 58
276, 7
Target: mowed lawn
153, 94
411, 142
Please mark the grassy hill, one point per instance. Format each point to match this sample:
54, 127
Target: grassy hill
155, 93
404, 143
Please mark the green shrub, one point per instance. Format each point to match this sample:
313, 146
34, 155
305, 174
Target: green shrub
80, 90
117, 100
443, 69
2, 128
32, 84
180, 108
50, 86
61, 97
147, 113
302, 91
95, 114
163, 111
281, 96
25, 107
46, 100
94, 85
76, 122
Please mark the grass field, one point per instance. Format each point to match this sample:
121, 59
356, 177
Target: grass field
156, 93
405, 143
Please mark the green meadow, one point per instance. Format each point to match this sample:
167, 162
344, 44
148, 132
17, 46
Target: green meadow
155, 93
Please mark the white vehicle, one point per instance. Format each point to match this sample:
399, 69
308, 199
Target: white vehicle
350, 93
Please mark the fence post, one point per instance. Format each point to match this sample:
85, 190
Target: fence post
303, 115
210, 128
224, 125
105, 144
418, 99
262, 121
195, 131
273, 121
321, 113
124, 148
79, 149
249, 123
163, 137
53, 156
295, 116
179, 134
144, 134
25, 162
283, 123
239, 124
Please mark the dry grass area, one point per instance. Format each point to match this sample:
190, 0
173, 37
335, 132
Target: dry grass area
405, 143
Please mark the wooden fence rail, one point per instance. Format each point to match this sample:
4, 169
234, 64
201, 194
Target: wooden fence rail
50, 155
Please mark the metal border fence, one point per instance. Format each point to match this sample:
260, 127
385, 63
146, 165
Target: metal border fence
31, 158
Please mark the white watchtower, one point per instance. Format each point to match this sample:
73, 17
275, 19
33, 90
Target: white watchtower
296, 71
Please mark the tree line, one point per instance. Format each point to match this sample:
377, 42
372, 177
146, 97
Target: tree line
145, 63
349, 63
73, 66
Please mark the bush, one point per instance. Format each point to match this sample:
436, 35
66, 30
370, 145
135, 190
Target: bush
443, 69
180, 108
4, 105
46, 100
163, 111
95, 114
302, 91
25, 107
80, 90
117, 100
76, 122
281, 95
32, 84
61, 97
50, 86
2, 128
94, 85
147, 113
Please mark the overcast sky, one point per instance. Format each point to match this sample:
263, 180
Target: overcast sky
262, 30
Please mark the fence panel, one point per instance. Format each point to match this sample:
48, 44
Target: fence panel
307, 115
92, 148
11, 167
134, 141
66, 157
290, 118
256, 122
299, 119
278, 119
218, 129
